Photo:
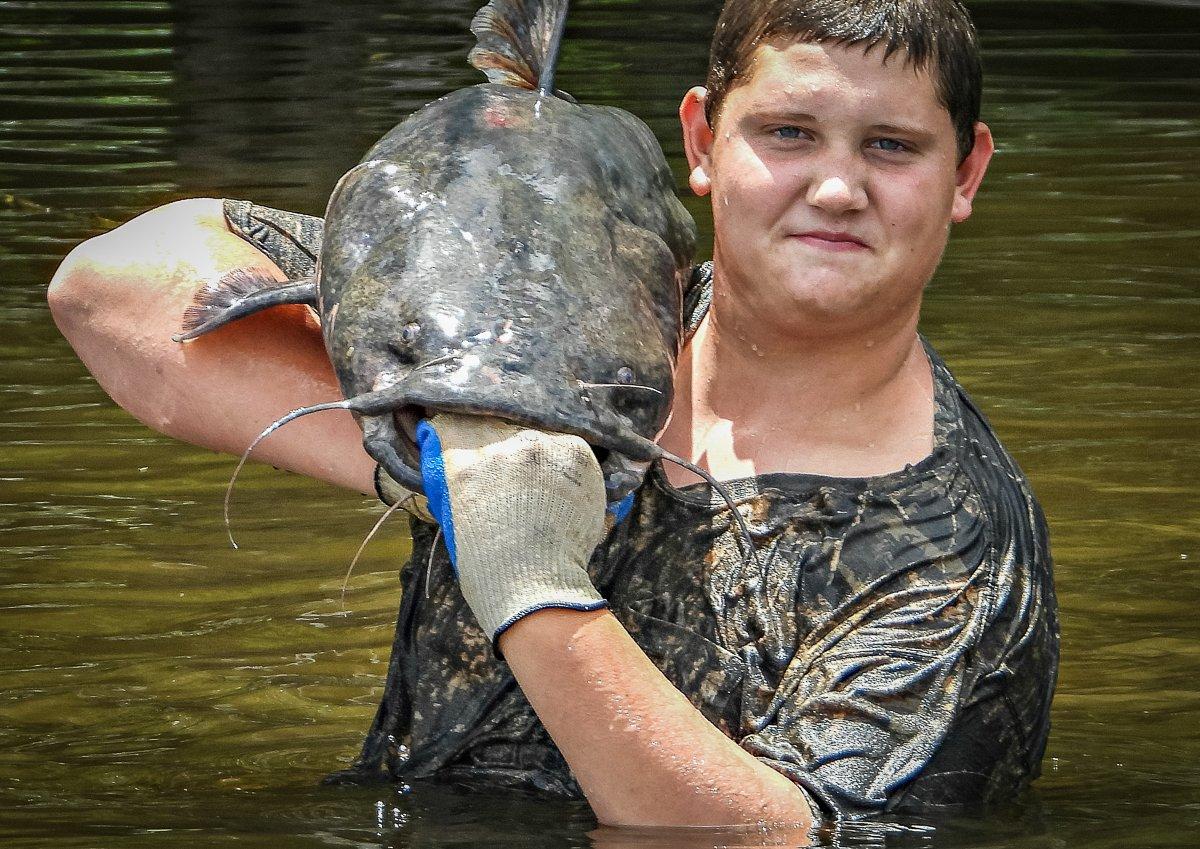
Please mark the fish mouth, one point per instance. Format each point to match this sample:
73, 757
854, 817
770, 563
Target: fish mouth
624, 458
617, 420
407, 418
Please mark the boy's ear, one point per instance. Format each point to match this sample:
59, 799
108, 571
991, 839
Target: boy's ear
697, 139
970, 173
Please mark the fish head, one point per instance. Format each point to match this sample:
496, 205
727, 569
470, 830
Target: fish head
481, 262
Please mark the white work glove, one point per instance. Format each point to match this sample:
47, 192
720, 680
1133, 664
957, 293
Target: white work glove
521, 510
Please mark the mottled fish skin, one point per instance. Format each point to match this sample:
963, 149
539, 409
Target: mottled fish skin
536, 242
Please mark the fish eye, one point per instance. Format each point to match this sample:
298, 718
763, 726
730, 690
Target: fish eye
625, 375
410, 332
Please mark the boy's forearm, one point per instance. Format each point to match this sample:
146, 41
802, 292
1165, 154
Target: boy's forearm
640, 750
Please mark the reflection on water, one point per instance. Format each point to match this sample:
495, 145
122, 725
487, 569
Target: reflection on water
157, 682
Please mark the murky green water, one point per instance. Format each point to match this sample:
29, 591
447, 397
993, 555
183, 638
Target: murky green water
159, 687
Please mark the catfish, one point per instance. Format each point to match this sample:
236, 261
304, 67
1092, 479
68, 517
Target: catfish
505, 251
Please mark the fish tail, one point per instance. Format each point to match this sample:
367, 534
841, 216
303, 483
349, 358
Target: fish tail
518, 42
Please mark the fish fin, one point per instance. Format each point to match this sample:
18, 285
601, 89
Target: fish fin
518, 42
240, 293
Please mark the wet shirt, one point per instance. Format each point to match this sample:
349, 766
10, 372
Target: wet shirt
894, 648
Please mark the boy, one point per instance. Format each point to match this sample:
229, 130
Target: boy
896, 647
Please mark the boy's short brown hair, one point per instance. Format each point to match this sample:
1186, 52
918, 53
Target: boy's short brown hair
932, 34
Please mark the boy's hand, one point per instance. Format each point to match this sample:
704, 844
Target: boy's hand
521, 510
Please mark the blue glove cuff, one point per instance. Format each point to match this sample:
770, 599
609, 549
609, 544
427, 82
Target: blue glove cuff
433, 476
620, 509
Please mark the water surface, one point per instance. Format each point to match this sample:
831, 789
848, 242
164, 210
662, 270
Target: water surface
159, 686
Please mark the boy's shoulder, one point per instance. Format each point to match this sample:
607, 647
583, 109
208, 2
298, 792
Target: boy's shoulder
1001, 485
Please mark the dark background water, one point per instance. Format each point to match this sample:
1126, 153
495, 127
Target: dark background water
159, 687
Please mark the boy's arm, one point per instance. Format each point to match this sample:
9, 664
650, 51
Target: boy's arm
640, 750
521, 511
117, 298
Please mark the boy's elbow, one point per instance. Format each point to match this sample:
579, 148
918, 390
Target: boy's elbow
75, 287
103, 275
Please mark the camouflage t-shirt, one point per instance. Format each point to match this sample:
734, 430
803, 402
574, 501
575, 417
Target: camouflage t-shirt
894, 649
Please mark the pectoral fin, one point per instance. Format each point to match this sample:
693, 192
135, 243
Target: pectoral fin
238, 294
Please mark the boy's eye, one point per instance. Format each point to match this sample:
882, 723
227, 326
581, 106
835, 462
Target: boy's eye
788, 132
890, 145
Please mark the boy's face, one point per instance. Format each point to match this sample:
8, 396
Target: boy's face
834, 179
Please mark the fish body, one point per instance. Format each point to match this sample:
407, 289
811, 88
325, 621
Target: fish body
536, 242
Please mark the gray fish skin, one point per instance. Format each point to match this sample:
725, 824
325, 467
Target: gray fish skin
536, 242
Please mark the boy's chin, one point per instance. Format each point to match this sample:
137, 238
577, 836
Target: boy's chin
824, 296
795, 298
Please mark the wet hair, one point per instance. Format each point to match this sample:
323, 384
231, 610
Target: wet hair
932, 35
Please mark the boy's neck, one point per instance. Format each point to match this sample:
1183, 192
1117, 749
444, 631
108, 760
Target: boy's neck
751, 399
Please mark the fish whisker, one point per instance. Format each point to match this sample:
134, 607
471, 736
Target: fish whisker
355, 404
379, 524
271, 428
588, 385
429, 563
750, 552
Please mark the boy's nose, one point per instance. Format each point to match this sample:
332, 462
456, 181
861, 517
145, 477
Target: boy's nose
837, 194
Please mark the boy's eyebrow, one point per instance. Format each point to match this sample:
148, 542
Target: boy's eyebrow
910, 130
782, 115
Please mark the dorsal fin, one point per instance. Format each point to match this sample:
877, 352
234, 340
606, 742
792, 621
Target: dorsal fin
518, 41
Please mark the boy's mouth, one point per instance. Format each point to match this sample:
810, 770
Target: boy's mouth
831, 240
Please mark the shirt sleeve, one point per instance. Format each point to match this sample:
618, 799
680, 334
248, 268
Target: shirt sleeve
291, 240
